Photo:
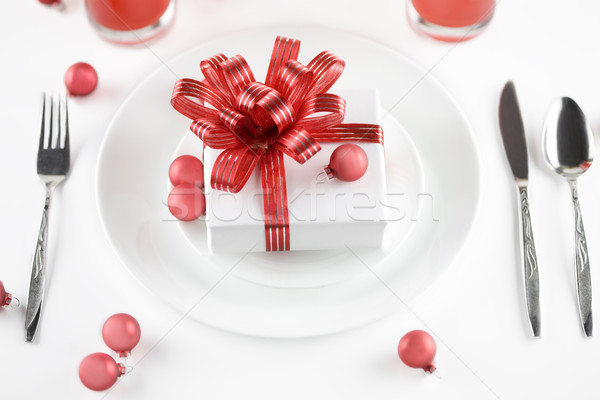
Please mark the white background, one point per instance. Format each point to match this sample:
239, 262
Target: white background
548, 47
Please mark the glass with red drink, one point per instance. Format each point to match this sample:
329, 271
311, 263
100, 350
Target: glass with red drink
450, 20
129, 21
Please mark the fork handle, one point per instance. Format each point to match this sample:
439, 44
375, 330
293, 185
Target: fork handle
35, 295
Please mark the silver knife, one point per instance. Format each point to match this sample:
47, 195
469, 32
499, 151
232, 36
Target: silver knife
513, 136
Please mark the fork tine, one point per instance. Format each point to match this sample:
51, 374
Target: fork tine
66, 127
59, 124
51, 122
43, 129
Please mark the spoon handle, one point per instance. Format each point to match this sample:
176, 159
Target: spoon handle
530, 263
582, 266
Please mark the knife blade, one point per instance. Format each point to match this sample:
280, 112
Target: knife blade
515, 145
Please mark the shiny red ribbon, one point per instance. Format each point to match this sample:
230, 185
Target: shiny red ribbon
255, 124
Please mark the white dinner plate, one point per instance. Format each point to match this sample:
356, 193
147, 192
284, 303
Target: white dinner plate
214, 288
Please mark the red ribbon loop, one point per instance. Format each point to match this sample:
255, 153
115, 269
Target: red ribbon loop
250, 96
298, 144
237, 123
189, 97
327, 68
210, 70
214, 135
256, 124
284, 49
330, 108
236, 73
273, 110
233, 167
294, 81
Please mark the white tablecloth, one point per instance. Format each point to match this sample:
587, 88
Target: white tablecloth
549, 48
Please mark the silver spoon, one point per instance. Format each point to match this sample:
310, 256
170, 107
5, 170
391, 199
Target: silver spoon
568, 143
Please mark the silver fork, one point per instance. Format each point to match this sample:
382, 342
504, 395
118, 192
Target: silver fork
53, 163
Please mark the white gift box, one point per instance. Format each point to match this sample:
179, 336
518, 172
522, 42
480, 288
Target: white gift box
326, 215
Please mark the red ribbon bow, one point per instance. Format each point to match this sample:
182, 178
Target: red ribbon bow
255, 123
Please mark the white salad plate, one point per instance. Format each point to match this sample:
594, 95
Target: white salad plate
432, 163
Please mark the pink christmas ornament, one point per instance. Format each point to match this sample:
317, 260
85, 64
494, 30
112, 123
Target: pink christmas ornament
99, 371
121, 332
186, 202
81, 79
5, 298
50, 2
417, 350
187, 169
348, 163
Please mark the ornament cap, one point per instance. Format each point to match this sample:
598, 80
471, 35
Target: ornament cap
12, 301
329, 173
326, 175
124, 354
7, 300
430, 368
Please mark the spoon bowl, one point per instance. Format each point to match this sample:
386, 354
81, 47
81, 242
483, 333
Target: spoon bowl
568, 139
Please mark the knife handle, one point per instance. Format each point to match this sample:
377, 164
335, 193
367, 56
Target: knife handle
582, 266
530, 263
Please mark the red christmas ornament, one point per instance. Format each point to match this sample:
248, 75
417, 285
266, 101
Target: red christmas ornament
348, 163
121, 332
187, 169
81, 79
50, 2
5, 298
186, 202
99, 371
417, 350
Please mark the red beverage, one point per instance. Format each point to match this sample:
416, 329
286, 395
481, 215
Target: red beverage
454, 13
467, 17
114, 18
